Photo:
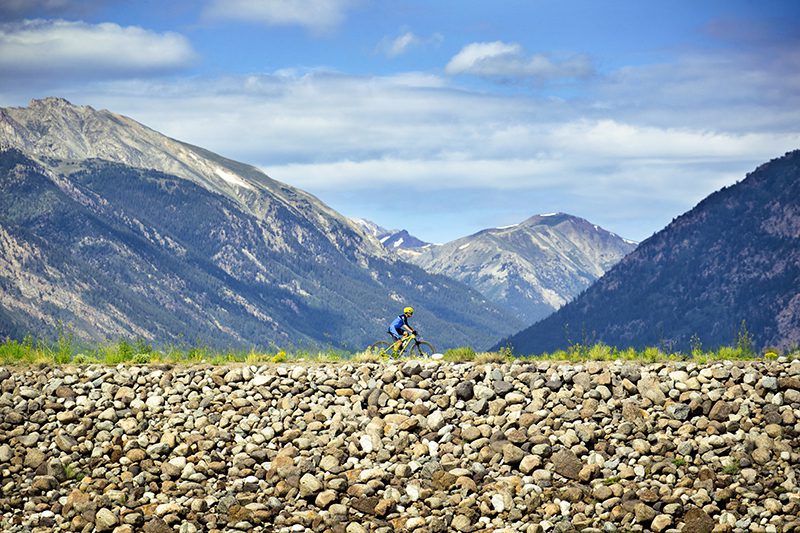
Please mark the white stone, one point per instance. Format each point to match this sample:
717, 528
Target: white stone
366, 443
153, 401
498, 503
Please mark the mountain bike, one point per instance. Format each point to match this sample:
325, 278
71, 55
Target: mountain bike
411, 346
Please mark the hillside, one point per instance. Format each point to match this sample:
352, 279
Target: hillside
114, 229
734, 258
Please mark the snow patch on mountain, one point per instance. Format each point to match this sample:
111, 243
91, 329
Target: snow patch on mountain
232, 178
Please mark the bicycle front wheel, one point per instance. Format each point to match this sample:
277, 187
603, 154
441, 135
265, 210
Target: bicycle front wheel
422, 349
380, 348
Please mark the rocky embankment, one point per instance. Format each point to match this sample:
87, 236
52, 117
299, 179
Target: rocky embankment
525, 446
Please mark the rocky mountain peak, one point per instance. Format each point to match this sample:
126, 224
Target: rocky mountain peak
55, 128
55, 102
532, 267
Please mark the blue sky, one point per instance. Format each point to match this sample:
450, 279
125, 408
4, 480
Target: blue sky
445, 117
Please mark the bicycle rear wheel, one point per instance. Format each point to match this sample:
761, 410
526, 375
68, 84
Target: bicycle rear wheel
380, 348
422, 349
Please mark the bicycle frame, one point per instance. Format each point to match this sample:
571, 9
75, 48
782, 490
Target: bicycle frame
404, 343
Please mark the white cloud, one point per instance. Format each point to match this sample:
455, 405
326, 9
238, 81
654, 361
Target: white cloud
320, 126
397, 46
53, 48
641, 144
508, 60
316, 15
423, 174
401, 44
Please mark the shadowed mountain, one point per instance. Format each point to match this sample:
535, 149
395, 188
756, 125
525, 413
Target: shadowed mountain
734, 258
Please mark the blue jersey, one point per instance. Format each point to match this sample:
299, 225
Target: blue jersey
397, 325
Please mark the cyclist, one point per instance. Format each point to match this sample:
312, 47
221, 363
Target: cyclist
400, 328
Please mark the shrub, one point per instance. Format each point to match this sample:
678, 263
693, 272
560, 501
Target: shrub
652, 354
255, 357
599, 352
491, 357
744, 342
13, 351
83, 359
461, 354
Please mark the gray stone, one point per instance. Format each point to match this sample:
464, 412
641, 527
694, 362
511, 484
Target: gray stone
501, 388
678, 411
464, 390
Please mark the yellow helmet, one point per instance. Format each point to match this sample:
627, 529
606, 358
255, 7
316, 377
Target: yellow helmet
409, 310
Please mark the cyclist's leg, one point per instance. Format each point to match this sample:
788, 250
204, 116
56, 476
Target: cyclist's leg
396, 342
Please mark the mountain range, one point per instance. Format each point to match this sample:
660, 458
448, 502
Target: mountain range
113, 229
726, 270
531, 268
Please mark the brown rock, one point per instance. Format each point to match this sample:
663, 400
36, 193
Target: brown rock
63, 391
789, 383
589, 472
530, 463
136, 455
44, 483
644, 513
283, 466
384, 507
572, 494
697, 521
467, 483
325, 498
517, 436
34, 458
567, 464
365, 505
721, 410
412, 395
632, 412
157, 525
588, 408
65, 442
512, 454
125, 395
648, 496
443, 480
